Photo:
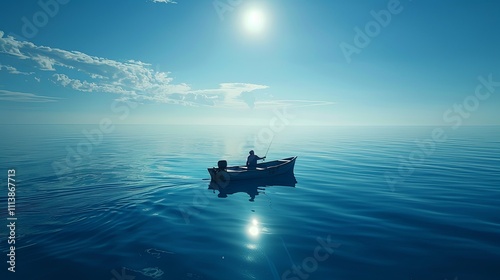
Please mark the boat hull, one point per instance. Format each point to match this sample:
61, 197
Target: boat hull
262, 170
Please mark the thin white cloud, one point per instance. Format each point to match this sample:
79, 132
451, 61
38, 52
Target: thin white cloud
11, 47
232, 94
15, 96
164, 1
295, 103
44, 63
86, 86
13, 70
134, 80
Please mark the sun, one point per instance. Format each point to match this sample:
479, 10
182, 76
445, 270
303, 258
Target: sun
254, 20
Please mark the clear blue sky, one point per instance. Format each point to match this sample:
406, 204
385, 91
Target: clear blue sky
236, 62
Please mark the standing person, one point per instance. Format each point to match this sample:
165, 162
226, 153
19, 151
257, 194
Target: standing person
252, 160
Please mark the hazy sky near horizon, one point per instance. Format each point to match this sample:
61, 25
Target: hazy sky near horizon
365, 62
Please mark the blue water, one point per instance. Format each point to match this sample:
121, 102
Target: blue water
135, 205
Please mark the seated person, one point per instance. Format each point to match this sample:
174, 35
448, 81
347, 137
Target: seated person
252, 160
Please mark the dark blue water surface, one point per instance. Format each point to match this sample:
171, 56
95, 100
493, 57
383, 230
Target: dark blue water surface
369, 203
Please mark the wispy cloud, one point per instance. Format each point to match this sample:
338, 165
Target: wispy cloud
44, 63
86, 86
133, 80
16, 96
13, 70
164, 1
296, 103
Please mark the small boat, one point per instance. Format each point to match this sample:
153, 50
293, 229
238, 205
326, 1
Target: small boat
224, 174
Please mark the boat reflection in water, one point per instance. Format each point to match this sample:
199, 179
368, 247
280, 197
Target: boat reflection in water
252, 187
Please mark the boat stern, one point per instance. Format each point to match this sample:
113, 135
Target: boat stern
212, 171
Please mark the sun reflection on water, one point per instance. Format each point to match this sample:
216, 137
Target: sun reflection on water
254, 229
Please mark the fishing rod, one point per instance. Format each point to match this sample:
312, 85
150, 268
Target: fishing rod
269, 146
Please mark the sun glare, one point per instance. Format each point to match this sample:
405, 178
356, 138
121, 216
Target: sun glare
254, 20
254, 230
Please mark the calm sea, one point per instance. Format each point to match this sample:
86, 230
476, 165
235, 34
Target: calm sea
369, 203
